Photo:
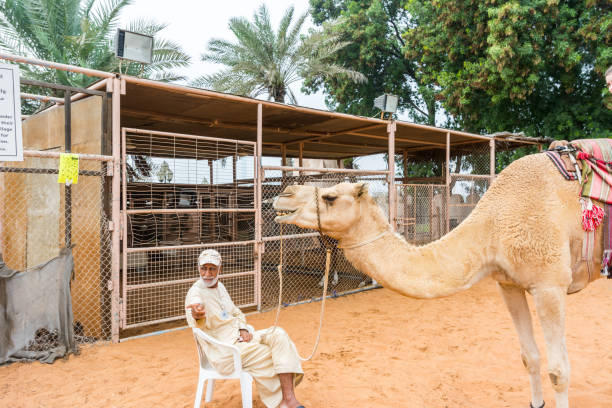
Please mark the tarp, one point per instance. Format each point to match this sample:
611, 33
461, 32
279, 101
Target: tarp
36, 311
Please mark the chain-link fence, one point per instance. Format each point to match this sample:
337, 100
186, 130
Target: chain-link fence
39, 217
470, 177
303, 250
421, 212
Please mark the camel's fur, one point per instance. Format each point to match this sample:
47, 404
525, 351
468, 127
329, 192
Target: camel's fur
525, 232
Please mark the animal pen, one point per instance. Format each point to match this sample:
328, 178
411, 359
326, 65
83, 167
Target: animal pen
167, 171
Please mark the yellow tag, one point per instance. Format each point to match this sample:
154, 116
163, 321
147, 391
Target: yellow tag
68, 168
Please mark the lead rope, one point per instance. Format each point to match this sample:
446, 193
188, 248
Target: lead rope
280, 278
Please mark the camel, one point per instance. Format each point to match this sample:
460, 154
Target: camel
525, 233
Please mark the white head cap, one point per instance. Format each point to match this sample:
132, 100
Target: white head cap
209, 256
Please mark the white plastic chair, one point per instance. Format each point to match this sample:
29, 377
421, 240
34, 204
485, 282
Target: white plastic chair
207, 372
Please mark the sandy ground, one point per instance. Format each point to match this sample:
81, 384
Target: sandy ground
378, 349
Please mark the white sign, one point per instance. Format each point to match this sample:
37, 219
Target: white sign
11, 145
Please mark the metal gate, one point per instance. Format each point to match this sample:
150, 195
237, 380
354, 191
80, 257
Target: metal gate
181, 194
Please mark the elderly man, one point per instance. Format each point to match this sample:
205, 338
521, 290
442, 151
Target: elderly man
268, 355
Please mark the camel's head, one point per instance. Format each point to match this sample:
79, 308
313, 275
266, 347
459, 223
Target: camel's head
339, 207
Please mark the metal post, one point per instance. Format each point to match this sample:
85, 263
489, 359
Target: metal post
234, 202
259, 175
492, 164
301, 157
391, 127
115, 86
447, 182
68, 189
211, 201
405, 191
283, 150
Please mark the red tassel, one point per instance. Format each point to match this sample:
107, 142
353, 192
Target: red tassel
592, 218
583, 156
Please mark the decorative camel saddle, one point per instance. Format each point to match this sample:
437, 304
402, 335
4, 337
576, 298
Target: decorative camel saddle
590, 162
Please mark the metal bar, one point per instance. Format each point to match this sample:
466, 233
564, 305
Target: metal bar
259, 175
44, 98
391, 127
98, 85
463, 205
467, 176
492, 162
55, 65
71, 89
211, 198
301, 157
352, 171
124, 224
179, 281
171, 319
68, 188
56, 155
292, 236
447, 182
48, 171
185, 136
190, 246
190, 210
234, 197
116, 208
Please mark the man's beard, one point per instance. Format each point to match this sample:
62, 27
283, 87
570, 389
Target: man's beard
209, 283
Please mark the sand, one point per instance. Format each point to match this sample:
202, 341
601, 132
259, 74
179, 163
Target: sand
378, 349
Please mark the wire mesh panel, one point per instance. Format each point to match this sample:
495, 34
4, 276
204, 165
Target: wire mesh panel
182, 194
39, 217
421, 212
303, 250
470, 177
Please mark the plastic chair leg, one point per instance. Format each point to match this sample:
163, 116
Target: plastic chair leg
246, 386
210, 384
198, 398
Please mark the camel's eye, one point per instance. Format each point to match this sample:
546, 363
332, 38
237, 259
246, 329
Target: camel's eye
329, 199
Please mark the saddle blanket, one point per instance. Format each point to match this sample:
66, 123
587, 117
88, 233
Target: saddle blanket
596, 155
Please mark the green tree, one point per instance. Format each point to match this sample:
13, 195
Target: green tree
521, 65
374, 30
266, 62
80, 32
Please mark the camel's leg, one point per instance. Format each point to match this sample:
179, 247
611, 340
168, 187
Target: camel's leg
519, 310
550, 305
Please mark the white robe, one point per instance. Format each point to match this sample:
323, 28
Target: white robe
268, 354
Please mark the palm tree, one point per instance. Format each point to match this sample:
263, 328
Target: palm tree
266, 62
80, 32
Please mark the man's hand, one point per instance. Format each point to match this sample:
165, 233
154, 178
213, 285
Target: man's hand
245, 336
197, 311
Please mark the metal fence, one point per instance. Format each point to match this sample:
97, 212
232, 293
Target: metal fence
182, 194
303, 250
471, 170
39, 217
421, 212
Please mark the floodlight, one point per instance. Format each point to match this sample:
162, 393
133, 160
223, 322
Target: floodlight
387, 103
134, 46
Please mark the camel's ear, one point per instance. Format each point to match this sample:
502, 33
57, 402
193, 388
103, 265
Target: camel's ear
361, 189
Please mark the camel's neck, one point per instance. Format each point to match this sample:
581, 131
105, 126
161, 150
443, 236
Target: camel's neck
454, 263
